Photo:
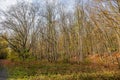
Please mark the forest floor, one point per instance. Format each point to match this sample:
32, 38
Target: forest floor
95, 67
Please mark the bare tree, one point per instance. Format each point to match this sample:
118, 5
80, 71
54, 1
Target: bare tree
21, 23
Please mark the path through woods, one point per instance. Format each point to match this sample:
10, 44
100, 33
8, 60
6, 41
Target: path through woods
3, 72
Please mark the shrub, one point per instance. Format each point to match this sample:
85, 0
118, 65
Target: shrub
3, 49
3, 54
13, 56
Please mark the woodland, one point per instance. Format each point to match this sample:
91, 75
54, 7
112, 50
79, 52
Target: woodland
50, 41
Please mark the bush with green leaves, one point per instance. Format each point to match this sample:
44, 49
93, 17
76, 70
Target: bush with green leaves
3, 49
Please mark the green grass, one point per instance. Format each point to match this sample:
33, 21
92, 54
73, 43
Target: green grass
59, 71
79, 76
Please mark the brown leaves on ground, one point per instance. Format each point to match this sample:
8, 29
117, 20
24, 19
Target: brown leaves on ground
106, 59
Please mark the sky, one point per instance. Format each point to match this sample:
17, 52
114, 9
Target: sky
4, 4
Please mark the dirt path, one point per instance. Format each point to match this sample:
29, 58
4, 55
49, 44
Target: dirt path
3, 72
